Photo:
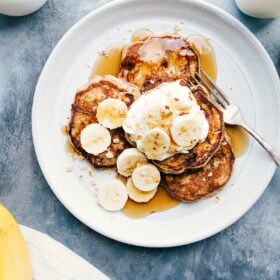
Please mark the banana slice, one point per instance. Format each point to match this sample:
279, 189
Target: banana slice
111, 113
128, 161
112, 195
180, 98
146, 177
155, 142
186, 130
95, 139
137, 195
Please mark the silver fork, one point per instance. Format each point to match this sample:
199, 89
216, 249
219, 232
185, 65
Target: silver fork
232, 113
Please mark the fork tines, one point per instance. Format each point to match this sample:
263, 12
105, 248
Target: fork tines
215, 91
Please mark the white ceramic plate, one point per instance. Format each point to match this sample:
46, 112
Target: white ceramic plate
245, 72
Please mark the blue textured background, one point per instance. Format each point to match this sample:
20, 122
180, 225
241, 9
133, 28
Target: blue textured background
249, 249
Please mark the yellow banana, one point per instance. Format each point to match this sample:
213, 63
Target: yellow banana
15, 261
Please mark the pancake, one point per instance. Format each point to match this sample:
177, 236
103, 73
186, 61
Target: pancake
205, 182
84, 109
158, 59
202, 152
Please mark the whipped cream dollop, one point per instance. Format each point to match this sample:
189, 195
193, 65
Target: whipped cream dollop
165, 121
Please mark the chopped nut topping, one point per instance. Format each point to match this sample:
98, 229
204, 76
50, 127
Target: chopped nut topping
165, 111
69, 168
75, 156
109, 155
116, 140
183, 113
210, 174
203, 179
83, 167
103, 53
177, 27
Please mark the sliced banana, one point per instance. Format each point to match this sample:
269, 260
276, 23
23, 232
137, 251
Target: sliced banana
111, 113
155, 142
181, 98
95, 139
137, 195
128, 161
186, 130
112, 195
146, 177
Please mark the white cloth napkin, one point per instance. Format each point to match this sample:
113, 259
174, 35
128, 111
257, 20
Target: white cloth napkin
52, 260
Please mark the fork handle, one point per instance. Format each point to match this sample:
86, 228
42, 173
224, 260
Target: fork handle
272, 152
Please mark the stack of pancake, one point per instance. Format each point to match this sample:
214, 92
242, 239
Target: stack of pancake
198, 174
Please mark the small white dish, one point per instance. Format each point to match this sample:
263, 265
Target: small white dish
245, 71
20, 7
260, 8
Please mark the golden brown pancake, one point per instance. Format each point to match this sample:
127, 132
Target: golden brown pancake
204, 182
202, 152
84, 109
158, 59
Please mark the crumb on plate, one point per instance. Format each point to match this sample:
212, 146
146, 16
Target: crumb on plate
69, 168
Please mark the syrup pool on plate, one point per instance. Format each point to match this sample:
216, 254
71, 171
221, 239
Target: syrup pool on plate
108, 61
162, 201
206, 54
239, 139
64, 130
70, 148
140, 35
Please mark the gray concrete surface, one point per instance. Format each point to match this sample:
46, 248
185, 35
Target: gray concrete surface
249, 249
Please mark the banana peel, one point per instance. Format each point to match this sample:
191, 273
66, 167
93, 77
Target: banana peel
15, 261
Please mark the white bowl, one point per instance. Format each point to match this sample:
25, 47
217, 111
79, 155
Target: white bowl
20, 7
260, 8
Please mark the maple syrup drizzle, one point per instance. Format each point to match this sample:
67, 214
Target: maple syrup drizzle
108, 62
70, 148
64, 130
206, 54
239, 139
140, 35
162, 201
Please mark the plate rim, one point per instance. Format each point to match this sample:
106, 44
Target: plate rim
166, 243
